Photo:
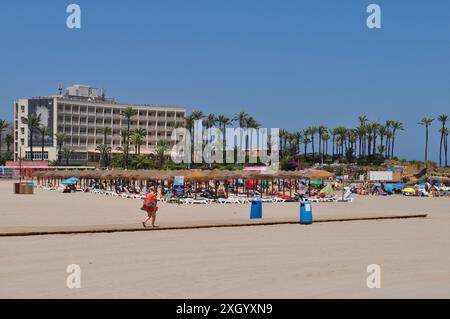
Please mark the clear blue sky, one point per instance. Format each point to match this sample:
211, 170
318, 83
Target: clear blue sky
291, 64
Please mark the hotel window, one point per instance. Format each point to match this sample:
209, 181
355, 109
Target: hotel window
22, 141
36, 155
22, 108
22, 130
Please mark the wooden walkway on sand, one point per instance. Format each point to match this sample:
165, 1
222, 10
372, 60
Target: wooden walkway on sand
16, 231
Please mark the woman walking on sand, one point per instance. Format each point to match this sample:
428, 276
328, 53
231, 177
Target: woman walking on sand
150, 206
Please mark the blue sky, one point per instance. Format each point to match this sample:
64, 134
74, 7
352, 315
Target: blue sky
291, 64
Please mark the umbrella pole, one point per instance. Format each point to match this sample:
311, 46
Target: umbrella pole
290, 188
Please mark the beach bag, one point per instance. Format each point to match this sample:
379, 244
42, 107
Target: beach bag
150, 203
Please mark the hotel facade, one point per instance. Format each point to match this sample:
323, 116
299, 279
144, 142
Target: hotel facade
82, 114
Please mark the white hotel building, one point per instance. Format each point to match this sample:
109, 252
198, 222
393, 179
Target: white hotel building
82, 113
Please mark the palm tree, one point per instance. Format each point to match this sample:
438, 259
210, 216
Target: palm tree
106, 131
44, 131
209, 122
305, 140
298, 137
283, 135
189, 125
380, 150
3, 126
250, 123
67, 154
33, 122
60, 139
104, 150
426, 121
140, 162
223, 122
445, 132
137, 139
351, 138
321, 130
396, 126
443, 119
128, 113
375, 128
389, 134
334, 134
341, 137
362, 125
369, 128
383, 131
9, 139
161, 148
313, 130
325, 138
241, 119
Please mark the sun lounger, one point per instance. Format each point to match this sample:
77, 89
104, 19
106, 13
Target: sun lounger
229, 200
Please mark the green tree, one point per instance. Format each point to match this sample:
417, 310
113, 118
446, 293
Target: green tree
137, 138
426, 121
305, 141
313, 130
67, 155
60, 139
106, 131
44, 131
128, 113
445, 131
362, 130
210, 121
3, 127
443, 119
9, 139
223, 123
396, 126
140, 162
33, 121
161, 149
105, 151
241, 119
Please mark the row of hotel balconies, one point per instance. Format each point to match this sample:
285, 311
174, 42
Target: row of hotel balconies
85, 142
117, 113
109, 120
84, 130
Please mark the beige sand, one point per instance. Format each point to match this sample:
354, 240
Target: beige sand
291, 261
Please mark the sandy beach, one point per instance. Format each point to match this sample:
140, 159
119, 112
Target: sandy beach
324, 260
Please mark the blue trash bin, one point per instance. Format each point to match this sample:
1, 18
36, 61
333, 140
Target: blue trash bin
256, 209
306, 213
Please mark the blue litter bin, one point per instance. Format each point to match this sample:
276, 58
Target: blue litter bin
256, 209
306, 213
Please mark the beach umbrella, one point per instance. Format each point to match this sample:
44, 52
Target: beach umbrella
399, 185
389, 187
409, 190
69, 182
327, 190
315, 182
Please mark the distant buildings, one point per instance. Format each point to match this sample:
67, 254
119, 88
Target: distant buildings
82, 113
